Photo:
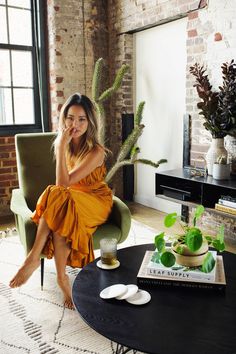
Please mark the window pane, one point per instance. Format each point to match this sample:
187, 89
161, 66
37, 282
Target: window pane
5, 106
24, 106
20, 3
20, 27
22, 68
5, 76
3, 22
2, 1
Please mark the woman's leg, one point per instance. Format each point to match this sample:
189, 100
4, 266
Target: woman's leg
32, 261
61, 253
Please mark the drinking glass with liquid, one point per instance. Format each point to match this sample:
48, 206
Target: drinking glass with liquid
108, 248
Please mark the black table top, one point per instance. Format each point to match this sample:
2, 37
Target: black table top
175, 321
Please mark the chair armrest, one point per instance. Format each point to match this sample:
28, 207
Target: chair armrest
18, 204
25, 226
121, 216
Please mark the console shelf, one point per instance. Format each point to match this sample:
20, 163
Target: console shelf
180, 186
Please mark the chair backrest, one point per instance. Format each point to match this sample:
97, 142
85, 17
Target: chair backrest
35, 164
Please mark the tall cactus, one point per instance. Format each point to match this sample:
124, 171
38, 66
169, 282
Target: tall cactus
99, 99
129, 150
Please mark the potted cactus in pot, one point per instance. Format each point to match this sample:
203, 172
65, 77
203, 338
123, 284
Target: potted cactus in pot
221, 169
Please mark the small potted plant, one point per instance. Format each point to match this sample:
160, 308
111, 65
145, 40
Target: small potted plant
221, 169
189, 248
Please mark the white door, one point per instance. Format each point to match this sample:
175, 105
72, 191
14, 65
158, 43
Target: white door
160, 77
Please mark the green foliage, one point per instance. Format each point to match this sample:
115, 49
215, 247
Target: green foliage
167, 259
217, 107
208, 263
192, 238
170, 219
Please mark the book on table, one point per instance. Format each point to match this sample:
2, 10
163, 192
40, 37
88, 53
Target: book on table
178, 271
145, 279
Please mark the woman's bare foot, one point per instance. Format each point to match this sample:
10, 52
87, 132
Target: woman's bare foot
24, 273
65, 286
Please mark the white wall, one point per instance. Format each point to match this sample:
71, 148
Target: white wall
160, 69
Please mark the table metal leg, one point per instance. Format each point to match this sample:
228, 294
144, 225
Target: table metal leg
120, 349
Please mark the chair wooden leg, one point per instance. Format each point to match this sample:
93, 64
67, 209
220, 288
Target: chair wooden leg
42, 272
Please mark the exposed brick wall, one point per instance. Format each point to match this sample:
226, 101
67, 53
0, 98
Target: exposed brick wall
8, 172
78, 36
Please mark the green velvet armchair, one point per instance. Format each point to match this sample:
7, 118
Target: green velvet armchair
36, 170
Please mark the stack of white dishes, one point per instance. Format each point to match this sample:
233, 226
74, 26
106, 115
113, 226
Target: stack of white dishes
130, 293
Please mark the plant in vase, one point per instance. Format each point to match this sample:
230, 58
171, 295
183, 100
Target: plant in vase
189, 248
218, 108
221, 169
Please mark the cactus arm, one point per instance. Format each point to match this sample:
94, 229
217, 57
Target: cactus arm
97, 79
150, 163
116, 84
115, 168
130, 142
139, 113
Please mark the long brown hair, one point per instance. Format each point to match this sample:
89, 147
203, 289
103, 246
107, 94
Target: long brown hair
90, 138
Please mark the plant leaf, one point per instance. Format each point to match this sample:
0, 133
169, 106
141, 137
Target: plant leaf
167, 259
160, 242
220, 235
170, 219
219, 246
193, 239
208, 263
198, 213
180, 249
156, 257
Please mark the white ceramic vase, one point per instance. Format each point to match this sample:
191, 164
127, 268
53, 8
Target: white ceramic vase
216, 149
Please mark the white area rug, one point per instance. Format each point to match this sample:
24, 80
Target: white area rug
34, 321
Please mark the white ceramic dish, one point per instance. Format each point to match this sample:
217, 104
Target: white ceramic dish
140, 298
113, 291
106, 266
131, 290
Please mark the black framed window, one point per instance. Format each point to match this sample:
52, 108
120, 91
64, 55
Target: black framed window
23, 97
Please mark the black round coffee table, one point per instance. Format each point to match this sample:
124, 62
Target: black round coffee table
175, 321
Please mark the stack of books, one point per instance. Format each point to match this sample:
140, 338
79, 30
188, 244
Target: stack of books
155, 274
226, 204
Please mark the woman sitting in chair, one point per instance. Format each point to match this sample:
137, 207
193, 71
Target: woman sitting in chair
69, 212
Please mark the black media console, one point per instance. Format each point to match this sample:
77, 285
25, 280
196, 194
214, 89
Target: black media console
180, 186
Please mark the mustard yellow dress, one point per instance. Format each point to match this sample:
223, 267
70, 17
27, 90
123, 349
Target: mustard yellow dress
75, 213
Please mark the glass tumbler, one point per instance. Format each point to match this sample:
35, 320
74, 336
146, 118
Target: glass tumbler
108, 248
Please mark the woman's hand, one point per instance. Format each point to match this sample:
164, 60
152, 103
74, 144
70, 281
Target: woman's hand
65, 137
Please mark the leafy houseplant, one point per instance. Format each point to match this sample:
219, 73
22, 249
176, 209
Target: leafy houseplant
192, 242
217, 107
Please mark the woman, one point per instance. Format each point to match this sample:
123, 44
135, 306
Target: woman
69, 212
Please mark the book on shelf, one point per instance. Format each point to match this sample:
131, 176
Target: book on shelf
178, 271
228, 203
225, 209
229, 198
147, 280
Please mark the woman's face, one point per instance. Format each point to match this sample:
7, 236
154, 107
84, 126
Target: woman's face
76, 119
